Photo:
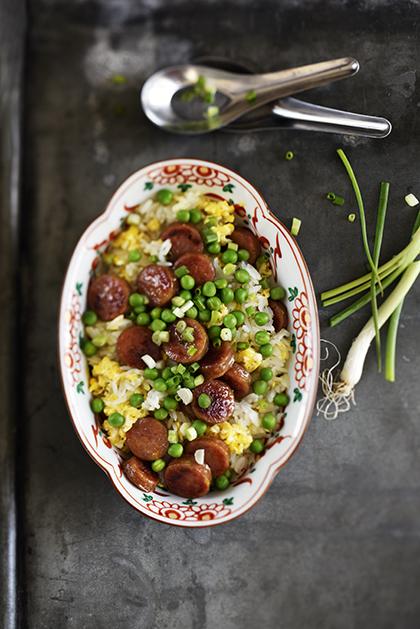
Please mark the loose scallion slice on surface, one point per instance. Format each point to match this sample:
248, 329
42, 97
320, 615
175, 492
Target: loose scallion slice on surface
296, 223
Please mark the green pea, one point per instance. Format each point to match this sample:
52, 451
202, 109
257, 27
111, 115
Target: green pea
183, 216
230, 321
265, 283
185, 295
259, 387
159, 384
221, 283
281, 399
97, 405
164, 196
151, 373
175, 450
227, 295
199, 426
134, 255
195, 216
242, 346
261, 318
139, 309
229, 256
257, 446
143, 319
266, 350
181, 270
262, 337
89, 317
260, 260
160, 413
166, 373
209, 289
222, 482
187, 282
266, 374
239, 316
243, 254
214, 248
158, 465
192, 312
155, 313
157, 325
241, 295
89, 348
269, 421
242, 276
214, 303
116, 420
136, 299
136, 400
277, 293
204, 400
168, 316
214, 332
170, 403
204, 315
250, 311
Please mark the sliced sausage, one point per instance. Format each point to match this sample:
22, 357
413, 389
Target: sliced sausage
139, 474
184, 238
187, 478
217, 361
108, 296
245, 239
158, 283
222, 402
178, 349
199, 265
133, 343
216, 453
239, 379
280, 316
148, 439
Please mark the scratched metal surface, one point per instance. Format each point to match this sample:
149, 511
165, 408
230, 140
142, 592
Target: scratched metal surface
335, 542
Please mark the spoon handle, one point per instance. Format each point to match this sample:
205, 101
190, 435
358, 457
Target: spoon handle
335, 120
275, 85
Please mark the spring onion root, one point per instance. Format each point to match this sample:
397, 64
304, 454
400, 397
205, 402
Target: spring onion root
338, 394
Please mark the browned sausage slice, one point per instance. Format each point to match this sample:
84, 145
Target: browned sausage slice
239, 379
184, 238
108, 296
148, 439
187, 478
217, 361
133, 343
245, 239
180, 350
222, 402
280, 316
199, 265
158, 283
216, 453
139, 474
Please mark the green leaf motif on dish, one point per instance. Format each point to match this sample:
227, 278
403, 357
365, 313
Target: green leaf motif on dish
184, 186
293, 293
189, 501
148, 185
297, 395
79, 286
228, 187
293, 343
80, 387
147, 497
228, 501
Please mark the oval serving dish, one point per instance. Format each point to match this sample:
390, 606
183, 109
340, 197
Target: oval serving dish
289, 270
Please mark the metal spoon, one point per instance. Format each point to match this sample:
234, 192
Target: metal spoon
159, 92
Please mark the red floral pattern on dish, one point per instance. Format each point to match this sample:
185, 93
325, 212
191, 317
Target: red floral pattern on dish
189, 173
73, 355
301, 325
174, 511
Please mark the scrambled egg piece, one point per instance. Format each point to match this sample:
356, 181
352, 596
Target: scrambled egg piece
130, 238
224, 213
265, 270
249, 358
115, 385
237, 437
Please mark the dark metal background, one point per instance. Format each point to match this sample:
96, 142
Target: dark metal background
335, 542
